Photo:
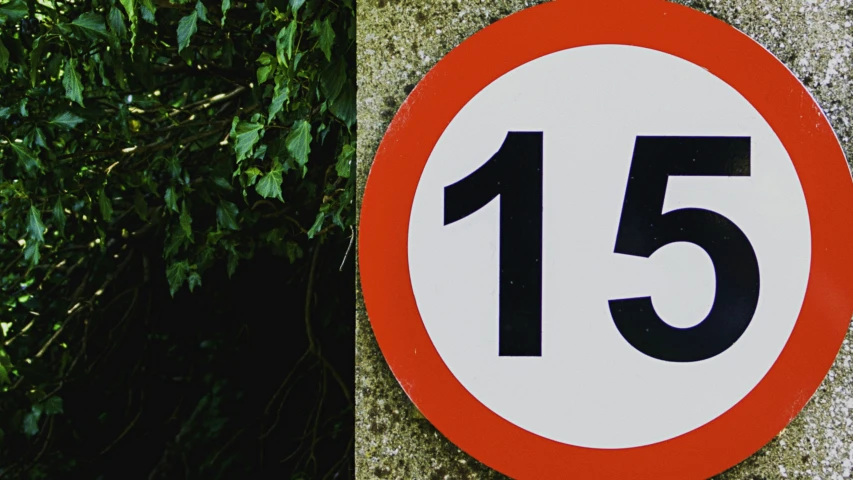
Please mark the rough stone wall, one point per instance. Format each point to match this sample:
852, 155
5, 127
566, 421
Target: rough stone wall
400, 40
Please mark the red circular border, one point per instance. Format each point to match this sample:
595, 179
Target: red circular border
725, 52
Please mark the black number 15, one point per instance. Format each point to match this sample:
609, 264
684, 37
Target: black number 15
514, 174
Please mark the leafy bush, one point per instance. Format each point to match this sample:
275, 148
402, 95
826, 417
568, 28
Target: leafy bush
144, 144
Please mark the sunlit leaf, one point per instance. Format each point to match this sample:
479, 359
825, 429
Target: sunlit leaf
284, 43
345, 158
247, 136
269, 186
66, 120
226, 5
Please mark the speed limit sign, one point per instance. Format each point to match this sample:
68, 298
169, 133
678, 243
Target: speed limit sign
609, 240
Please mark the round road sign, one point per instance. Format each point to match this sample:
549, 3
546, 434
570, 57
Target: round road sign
609, 241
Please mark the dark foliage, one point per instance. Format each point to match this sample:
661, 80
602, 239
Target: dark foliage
176, 194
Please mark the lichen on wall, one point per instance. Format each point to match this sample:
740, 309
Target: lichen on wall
400, 40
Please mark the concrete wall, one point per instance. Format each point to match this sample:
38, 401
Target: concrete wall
400, 40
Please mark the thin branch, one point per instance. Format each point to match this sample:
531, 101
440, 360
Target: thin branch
309, 292
127, 428
351, 237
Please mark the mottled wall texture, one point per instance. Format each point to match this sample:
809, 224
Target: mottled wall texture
400, 40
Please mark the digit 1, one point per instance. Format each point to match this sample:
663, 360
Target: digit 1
514, 174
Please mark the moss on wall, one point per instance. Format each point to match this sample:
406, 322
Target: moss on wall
400, 40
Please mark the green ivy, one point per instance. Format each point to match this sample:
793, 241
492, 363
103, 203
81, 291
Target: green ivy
208, 129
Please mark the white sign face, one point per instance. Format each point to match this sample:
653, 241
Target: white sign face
594, 112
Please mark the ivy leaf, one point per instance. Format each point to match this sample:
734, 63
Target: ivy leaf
91, 24
252, 175
53, 406
186, 29
66, 120
295, 4
226, 215
233, 259
140, 206
344, 164
279, 96
106, 205
14, 10
174, 241
284, 43
176, 274
35, 227
247, 136
59, 215
31, 253
294, 251
332, 79
299, 141
130, 9
270, 185
193, 281
116, 22
40, 140
4, 58
36, 56
265, 58
226, 5
343, 106
186, 221
318, 225
71, 82
173, 166
327, 38
148, 11
207, 255
201, 10
26, 157
4, 357
31, 423
263, 73
4, 378
171, 199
